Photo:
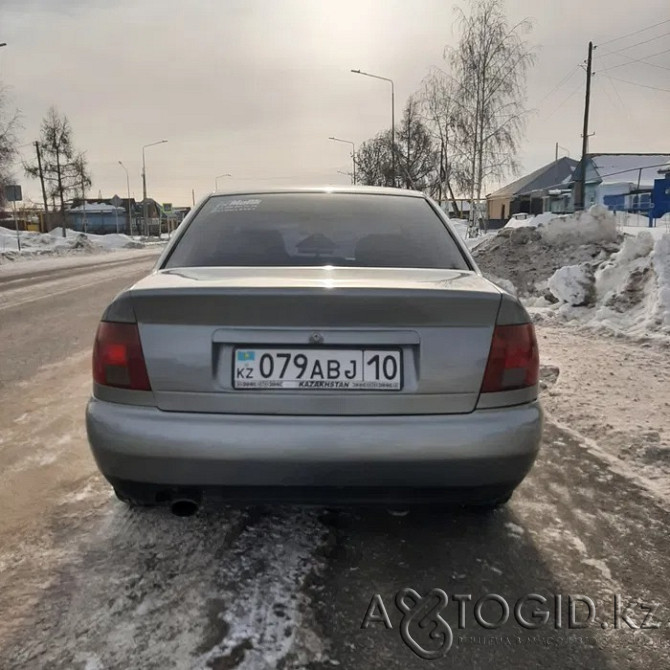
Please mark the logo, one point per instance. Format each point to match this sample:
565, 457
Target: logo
425, 631
316, 338
422, 628
424, 613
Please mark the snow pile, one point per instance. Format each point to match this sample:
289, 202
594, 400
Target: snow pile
596, 226
661, 263
582, 268
528, 256
53, 243
529, 221
573, 284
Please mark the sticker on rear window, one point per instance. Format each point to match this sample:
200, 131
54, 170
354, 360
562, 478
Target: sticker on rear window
237, 205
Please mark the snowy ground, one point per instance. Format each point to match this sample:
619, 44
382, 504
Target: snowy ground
41, 245
461, 227
87, 584
91, 584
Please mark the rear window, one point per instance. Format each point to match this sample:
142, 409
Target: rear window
314, 229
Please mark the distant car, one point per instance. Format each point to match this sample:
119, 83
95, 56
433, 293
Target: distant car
315, 346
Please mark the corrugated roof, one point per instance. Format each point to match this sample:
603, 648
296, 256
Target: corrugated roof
628, 168
623, 168
548, 175
96, 208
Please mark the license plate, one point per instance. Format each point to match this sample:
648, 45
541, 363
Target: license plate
318, 369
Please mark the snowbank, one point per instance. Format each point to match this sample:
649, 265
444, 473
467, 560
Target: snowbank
661, 264
584, 268
35, 245
597, 225
573, 284
529, 221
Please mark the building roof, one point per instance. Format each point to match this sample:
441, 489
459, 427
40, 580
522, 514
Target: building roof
552, 174
93, 202
623, 168
96, 208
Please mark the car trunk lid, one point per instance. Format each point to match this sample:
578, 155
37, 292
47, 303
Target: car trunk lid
191, 321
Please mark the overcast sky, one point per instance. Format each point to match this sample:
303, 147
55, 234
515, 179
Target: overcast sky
255, 87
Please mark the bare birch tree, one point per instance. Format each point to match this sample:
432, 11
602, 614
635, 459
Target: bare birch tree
415, 154
9, 127
489, 66
440, 107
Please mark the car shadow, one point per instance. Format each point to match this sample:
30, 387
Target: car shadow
469, 555
143, 588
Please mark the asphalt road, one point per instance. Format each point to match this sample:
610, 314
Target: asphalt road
86, 583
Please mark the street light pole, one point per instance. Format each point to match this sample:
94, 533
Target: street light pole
216, 180
390, 81
130, 220
353, 153
144, 182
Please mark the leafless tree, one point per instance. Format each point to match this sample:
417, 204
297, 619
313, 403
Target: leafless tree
10, 124
65, 170
489, 66
415, 154
374, 163
440, 108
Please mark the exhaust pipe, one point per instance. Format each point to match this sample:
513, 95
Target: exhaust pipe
184, 507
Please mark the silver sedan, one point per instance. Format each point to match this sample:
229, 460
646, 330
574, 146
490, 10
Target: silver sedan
316, 346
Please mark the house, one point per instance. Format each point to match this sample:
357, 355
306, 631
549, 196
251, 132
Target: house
98, 218
545, 189
75, 218
623, 182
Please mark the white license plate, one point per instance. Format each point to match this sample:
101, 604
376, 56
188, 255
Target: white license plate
317, 369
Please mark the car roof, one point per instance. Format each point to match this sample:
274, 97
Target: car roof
367, 190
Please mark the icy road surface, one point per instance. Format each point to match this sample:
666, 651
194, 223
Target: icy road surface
87, 584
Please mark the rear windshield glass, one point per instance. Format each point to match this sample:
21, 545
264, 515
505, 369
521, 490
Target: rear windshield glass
313, 229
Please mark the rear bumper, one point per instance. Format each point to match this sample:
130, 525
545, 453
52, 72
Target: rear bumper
493, 447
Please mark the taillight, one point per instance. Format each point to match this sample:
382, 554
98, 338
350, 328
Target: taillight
514, 359
117, 357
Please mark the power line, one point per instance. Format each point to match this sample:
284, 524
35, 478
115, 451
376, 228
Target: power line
555, 109
609, 97
563, 81
634, 83
636, 32
624, 106
639, 60
637, 44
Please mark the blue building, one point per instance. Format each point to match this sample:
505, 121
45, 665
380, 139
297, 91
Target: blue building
99, 218
623, 182
661, 194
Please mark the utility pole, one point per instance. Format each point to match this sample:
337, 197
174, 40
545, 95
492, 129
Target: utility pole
130, 219
353, 154
145, 208
16, 225
44, 192
581, 200
83, 198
